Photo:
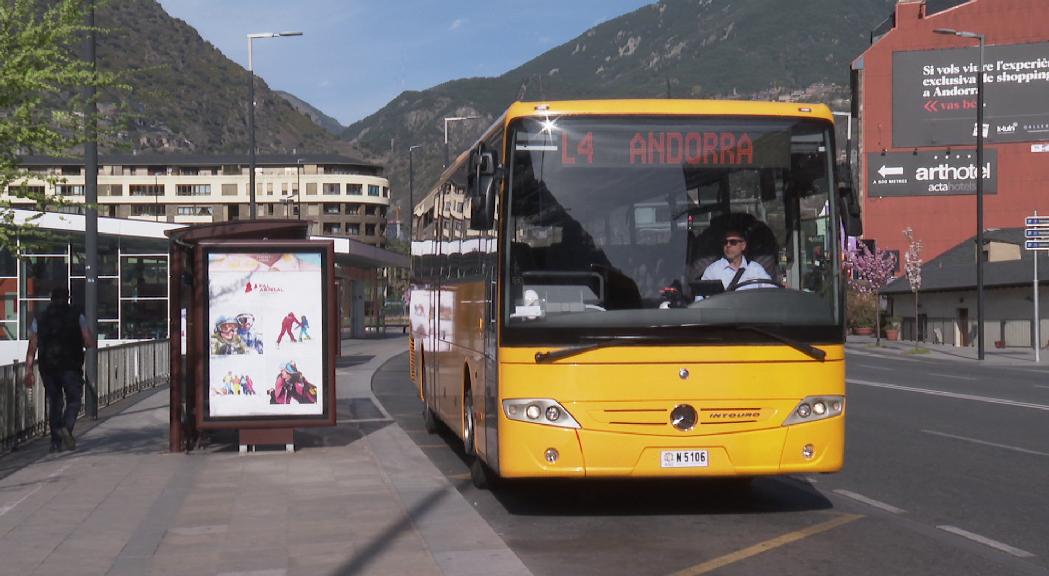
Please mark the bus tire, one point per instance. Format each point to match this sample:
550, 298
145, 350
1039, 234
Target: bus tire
469, 430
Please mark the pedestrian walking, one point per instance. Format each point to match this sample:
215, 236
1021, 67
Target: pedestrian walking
57, 338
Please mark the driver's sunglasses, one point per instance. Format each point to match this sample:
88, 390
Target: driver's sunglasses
732, 241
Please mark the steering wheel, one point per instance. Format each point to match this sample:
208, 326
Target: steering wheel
753, 281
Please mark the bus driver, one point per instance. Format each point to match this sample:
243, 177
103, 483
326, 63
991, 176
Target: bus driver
734, 268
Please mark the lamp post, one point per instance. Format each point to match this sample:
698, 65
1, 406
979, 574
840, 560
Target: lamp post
251, 112
411, 189
979, 184
298, 187
446, 121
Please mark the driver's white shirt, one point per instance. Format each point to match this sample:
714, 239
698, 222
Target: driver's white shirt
721, 270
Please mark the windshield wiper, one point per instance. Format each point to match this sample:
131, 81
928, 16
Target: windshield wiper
803, 347
554, 355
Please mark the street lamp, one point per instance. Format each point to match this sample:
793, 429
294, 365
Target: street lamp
979, 185
298, 187
251, 111
446, 121
411, 189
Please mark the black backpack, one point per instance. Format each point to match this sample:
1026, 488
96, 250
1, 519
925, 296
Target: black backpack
59, 341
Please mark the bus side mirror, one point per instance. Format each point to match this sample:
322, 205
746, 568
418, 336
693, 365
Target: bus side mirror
485, 170
850, 214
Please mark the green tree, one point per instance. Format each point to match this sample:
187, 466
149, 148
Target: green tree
41, 102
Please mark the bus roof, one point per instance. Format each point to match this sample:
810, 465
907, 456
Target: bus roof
669, 107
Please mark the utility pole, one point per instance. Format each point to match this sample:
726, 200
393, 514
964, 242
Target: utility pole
91, 220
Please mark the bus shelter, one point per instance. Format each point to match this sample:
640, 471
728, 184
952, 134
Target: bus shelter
252, 306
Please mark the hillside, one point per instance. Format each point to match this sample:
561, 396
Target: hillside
331, 125
684, 48
186, 95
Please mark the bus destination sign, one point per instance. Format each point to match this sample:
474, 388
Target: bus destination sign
665, 147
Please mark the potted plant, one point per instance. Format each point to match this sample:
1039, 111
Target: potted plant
892, 328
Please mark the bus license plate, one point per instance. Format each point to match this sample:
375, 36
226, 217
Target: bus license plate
684, 459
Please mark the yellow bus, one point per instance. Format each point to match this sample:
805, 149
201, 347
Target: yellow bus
637, 288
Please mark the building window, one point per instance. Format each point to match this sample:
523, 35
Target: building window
331, 209
353, 209
231, 170
373, 190
369, 210
144, 319
110, 189
229, 189
147, 210
193, 190
353, 229
369, 229
194, 211
70, 189
71, 170
24, 191
145, 190
144, 277
331, 189
353, 189
385, 191
330, 228
41, 274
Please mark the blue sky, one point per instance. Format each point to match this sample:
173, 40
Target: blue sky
357, 55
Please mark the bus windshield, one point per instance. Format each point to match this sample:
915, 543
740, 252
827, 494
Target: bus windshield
638, 225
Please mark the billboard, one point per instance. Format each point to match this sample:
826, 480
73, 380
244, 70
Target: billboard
266, 326
929, 173
934, 95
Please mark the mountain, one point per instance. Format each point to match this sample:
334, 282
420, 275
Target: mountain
319, 118
185, 95
767, 49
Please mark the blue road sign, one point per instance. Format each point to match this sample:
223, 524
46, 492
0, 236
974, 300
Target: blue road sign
1036, 221
1036, 244
1036, 233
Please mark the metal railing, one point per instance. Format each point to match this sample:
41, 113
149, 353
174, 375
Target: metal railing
123, 370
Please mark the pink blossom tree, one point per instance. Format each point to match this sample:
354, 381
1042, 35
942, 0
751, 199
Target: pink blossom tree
913, 267
869, 273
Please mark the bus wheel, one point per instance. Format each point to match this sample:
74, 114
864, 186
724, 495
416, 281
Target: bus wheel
481, 476
469, 433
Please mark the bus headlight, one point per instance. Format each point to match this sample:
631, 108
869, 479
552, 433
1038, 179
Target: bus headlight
539, 411
815, 408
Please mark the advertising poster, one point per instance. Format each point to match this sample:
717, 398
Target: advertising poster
265, 322
934, 95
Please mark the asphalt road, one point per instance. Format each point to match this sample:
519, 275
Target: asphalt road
947, 472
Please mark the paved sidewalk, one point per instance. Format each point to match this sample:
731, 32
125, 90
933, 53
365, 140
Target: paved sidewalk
992, 356
359, 498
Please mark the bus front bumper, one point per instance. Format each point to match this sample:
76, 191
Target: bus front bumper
812, 447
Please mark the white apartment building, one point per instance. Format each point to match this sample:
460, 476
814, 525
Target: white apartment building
339, 195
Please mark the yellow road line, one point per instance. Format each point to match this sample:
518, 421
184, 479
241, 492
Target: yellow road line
711, 565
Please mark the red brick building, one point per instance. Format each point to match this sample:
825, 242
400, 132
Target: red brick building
915, 98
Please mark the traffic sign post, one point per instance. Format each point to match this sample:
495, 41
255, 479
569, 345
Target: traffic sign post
1036, 239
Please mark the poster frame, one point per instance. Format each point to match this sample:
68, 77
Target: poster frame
328, 331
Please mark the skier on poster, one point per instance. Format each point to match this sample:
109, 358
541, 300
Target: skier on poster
286, 325
225, 340
246, 330
304, 329
292, 387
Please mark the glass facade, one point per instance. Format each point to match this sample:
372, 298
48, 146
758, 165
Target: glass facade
132, 284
